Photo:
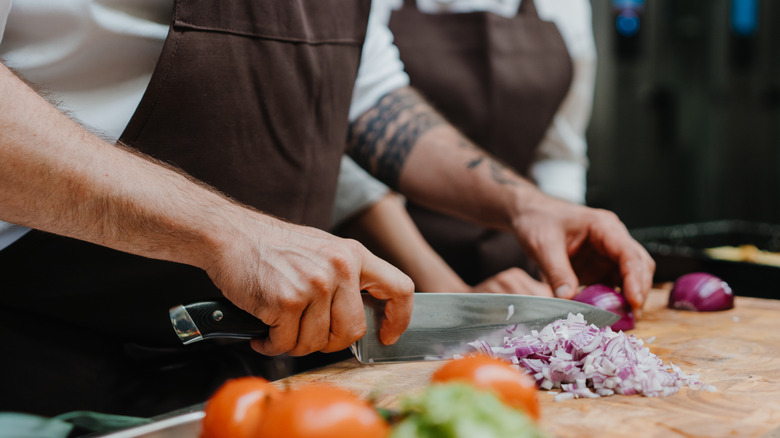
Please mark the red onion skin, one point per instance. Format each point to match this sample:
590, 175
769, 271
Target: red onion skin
604, 297
701, 292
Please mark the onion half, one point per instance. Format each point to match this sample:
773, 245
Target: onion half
701, 292
604, 297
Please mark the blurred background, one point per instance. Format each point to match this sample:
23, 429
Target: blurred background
686, 122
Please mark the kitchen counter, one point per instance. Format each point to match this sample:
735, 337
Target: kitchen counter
737, 351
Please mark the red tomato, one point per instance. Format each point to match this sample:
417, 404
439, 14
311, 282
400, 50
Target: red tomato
322, 411
238, 407
512, 386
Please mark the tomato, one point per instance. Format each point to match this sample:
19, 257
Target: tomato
512, 386
238, 407
322, 411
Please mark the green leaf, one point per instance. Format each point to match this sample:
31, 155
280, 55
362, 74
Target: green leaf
461, 411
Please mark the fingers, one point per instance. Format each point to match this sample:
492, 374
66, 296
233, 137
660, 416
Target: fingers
328, 314
514, 281
637, 270
553, 259
636, 265
384, 281
282, 336
348, 319
314, 328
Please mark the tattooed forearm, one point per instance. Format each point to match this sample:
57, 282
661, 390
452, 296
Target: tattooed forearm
475, 162
498, 171
380, 140
501, 174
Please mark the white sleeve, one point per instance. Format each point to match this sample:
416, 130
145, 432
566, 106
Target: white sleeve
5, 8
356, 190
381, 70
561, 162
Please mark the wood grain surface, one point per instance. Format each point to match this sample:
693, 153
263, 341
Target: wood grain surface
737, 351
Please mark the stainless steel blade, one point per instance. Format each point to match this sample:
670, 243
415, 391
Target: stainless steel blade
443, 324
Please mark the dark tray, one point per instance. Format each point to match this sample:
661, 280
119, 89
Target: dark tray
679, 249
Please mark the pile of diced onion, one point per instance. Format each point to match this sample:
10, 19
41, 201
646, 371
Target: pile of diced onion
584, 361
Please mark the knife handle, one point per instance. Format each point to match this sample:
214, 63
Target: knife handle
222, 319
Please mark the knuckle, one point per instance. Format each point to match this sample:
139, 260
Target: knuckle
357, 331
319, 344
354, 246
319, 285
286, 345
350, 335
407, 286
343, 260
292, 302
606, 215
514, 272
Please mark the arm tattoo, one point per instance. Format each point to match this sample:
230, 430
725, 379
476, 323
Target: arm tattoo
500, 174
380, 140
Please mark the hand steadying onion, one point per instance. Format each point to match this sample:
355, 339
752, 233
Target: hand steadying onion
701, 292
609, 299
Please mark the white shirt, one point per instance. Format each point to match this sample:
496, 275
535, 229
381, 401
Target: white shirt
560, 165
97, 58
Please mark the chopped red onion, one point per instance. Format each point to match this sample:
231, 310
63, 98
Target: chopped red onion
701, 292
604, 297
584, 361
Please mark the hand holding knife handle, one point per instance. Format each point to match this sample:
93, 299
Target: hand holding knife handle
214, 319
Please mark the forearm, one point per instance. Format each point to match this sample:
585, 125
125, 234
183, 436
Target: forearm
388, 231
404, 142
57, 177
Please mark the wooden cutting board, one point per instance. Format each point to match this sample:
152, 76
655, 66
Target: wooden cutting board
737, 351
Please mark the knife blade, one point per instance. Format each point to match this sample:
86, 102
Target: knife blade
442, 324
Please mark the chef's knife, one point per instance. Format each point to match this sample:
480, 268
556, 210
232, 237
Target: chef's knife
442, 325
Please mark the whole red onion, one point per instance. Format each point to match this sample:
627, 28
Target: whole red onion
604, 297
701, 292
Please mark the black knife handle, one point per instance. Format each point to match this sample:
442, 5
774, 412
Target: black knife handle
222, 319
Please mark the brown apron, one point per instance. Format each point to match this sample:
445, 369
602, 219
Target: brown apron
251, 97
500, 81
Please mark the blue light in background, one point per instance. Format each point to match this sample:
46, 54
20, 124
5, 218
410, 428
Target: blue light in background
628, 21
744, 16
628, 4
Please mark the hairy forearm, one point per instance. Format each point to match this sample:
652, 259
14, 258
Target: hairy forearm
405, 143
58, 177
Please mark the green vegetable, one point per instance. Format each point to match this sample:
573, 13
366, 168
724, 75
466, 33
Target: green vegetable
457, 410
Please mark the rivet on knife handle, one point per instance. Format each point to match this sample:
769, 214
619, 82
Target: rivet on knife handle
214, 319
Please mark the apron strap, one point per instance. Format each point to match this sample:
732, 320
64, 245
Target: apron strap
527, 7
410, 4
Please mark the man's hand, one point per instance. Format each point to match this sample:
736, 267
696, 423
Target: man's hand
574, 244
305, 284
406, 144
513, 281
57, 177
